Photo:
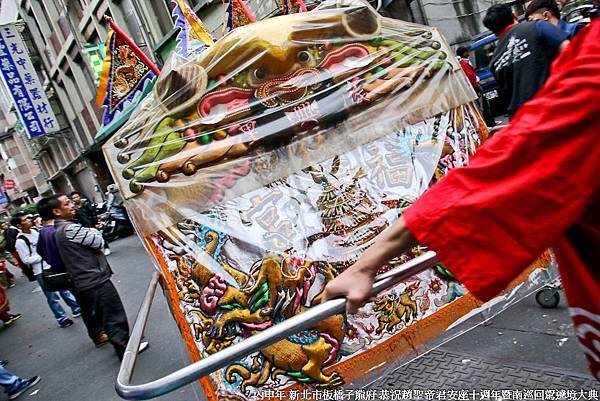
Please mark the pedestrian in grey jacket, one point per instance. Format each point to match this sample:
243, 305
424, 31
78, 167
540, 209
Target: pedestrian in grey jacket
81, 251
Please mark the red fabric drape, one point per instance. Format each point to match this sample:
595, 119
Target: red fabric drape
533, 185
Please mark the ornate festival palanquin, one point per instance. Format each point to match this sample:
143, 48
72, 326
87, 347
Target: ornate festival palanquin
264, 166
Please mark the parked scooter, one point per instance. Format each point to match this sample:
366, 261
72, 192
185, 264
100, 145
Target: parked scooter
100, 208
115, 223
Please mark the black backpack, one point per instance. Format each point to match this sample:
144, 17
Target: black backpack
11, 239
25, 267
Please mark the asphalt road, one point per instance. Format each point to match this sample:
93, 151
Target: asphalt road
536, 343
72, 369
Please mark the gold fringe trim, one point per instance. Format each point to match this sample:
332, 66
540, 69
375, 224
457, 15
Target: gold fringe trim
407, 340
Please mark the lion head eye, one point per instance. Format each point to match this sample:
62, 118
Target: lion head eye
259, 73
304, 57
257, 76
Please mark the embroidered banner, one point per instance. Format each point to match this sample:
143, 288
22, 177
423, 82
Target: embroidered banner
293, 6
192, 36
127, 77
264, 168
238, 14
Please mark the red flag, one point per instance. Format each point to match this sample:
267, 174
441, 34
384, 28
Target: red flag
238, 14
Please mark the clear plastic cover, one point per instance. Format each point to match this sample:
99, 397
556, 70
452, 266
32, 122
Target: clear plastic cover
264, 166
279, 95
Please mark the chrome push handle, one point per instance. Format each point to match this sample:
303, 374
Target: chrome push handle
248, 346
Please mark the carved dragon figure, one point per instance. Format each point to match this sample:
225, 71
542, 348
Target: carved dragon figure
347, 211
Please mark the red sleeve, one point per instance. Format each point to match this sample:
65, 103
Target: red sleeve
470, 72
525, 186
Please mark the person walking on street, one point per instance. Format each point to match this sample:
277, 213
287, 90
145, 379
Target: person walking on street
80, 249
10, 234
522, 58
98, 196
14, 385
6, 317
84, 210
113, 197
7, 279
547, 10
533, 185
37, 222
86, 215
47, 248
463, 58
26, 246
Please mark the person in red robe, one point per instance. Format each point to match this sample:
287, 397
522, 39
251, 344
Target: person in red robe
534, 185
463, 58
6, 317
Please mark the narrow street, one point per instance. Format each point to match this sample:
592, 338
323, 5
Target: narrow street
72, 369
526, 347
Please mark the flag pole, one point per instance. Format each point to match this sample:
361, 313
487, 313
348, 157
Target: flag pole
246, 11
302, 6
132, 45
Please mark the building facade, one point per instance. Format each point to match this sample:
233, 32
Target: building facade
67, 157
67, 37
16, 164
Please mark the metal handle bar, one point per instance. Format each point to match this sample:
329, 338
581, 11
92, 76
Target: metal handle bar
248, 346
497, 128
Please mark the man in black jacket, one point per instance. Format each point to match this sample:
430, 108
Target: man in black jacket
84, 210
81, 252
523, 54
85, 214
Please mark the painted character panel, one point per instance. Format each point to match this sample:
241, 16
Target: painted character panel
262, 167
266, 256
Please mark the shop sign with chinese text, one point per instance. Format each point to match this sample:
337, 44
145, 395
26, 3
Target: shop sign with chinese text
24, 85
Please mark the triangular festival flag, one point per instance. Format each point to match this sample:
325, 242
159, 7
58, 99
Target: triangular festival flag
127, 76
193, 35
293, 6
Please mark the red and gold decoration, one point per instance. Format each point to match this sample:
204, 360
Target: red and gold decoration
238, 14
126, 75
293, 6
193, 36
263, 168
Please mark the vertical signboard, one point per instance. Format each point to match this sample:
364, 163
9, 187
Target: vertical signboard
3, 197
24, 85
